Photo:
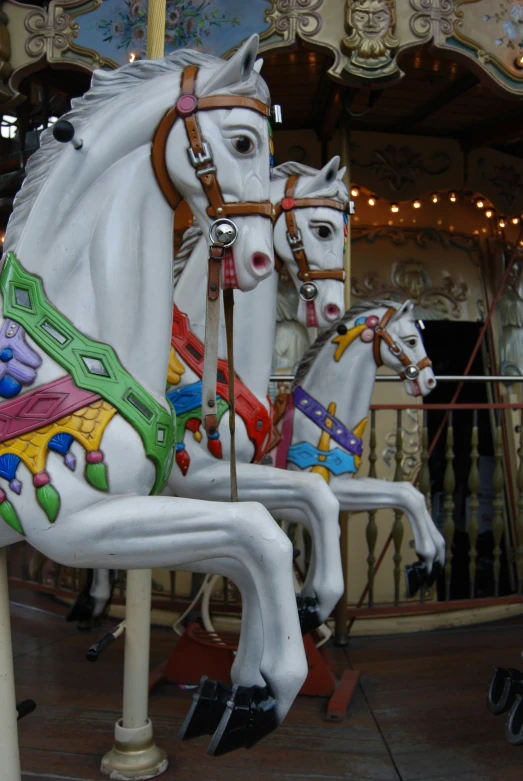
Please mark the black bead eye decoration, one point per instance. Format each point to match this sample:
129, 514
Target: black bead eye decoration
341, 329
243, 145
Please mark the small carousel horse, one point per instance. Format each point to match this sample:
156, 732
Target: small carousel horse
310, 229
85, 336
326, 413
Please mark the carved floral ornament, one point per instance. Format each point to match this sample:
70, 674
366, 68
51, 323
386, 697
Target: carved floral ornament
396, 167
410, 280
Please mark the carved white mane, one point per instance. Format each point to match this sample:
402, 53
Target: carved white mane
105, 87
336, 189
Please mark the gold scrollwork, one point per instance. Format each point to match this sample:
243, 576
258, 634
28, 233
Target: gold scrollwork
430, 14
290, 18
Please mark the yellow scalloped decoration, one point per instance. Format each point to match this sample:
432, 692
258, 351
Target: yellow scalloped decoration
86, 425
175, 368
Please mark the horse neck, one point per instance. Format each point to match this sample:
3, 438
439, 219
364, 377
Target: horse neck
107, 265
254, 319
348, 382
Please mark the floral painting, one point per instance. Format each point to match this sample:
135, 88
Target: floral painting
118, 28
188, 22
508, 18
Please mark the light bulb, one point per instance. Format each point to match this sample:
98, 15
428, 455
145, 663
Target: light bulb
480, 203
372, 201
453, 197
354, 191
416, 204
515, 220
502, 222
394, 207
489, 213
434, 197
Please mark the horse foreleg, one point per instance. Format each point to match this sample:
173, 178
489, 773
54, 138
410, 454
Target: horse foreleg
367, 493
164, 532
298, 497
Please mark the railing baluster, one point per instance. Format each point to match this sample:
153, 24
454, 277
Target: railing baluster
519, 480
397, 528
371, 531
449, 486
474, 486
424, 477
498, 483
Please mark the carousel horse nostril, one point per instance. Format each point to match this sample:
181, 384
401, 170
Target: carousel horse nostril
261, 262
431, 382
332, 312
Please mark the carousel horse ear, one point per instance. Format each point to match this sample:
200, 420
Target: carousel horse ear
258, 65
407, 306
341, 173
320, 181
235, 70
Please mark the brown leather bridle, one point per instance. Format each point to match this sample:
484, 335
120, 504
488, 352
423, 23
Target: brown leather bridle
287, 206
199, 151
412, 370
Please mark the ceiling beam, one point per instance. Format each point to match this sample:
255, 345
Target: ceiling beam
332, 112
439, 101
498, 128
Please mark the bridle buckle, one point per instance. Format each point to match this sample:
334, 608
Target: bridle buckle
201, 157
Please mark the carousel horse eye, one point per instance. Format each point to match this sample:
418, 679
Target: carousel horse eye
324, 232
341, 329
243, 145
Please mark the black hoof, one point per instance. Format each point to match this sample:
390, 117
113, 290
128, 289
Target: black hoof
514, 725
82, 610
418, 577
308, 613
504, 687
208, 707
24, 708
250, 715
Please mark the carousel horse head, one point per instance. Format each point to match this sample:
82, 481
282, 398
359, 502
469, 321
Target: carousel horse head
310, 233
207, 119
394, 336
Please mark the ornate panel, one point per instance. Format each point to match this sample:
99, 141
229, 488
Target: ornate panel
405, 167
437, 270
499, 177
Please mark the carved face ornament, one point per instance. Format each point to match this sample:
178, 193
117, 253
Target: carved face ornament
370, 18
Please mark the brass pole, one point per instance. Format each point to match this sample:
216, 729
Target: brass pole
156, 29
340, 635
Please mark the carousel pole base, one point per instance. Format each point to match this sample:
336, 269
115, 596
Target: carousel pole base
134, 755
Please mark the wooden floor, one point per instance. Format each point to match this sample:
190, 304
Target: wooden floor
419, 714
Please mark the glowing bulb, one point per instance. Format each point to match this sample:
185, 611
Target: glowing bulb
434, 197
502, 222
132, 57
480, 203
354, 191
489, 213
416, 204
518, 62
515, 220
394, 207
2, 237
372, 201
453, 197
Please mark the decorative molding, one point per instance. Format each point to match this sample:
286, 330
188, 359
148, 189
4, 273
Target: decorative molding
422, 237
431, 17
293, 18
410, 280
506, 180
399, 165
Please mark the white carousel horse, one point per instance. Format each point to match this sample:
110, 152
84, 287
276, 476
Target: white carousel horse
87, 313
318, 215
327, 411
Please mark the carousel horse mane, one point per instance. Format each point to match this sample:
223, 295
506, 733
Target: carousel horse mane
106, 86
336, 190
351, 314
191, 237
